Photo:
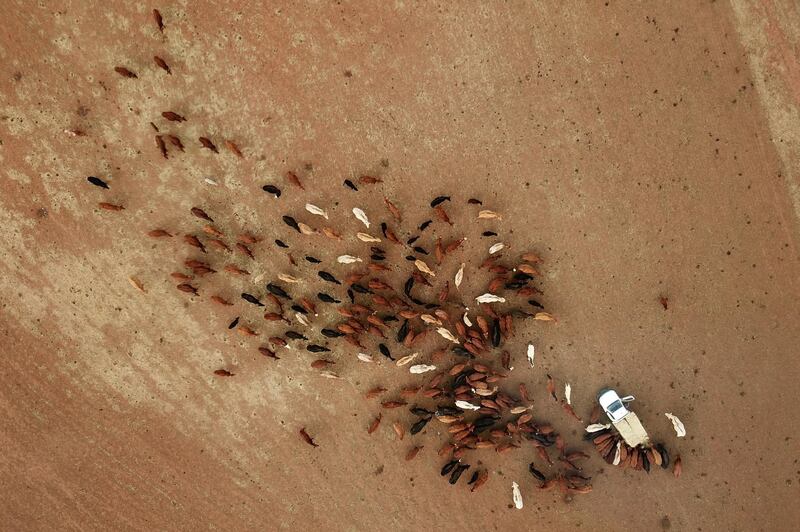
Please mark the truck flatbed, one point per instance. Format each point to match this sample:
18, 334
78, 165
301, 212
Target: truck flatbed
632, 430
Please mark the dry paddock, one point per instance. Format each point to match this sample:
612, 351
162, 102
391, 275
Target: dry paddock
643, 149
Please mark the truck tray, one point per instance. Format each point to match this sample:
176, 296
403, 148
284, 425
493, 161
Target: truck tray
632, 430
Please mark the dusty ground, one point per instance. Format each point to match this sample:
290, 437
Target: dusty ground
643, 150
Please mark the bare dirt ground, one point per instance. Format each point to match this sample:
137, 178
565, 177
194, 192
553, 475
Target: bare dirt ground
643, 150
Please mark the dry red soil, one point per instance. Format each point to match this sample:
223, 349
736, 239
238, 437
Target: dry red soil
643, 150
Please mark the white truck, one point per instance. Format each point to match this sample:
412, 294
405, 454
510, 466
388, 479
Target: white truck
626, 422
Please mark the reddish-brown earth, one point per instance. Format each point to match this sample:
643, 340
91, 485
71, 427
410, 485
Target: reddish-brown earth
643, 150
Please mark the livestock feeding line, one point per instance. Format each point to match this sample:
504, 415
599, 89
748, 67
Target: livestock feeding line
395, 296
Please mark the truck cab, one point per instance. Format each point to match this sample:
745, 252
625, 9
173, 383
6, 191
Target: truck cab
613, 405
